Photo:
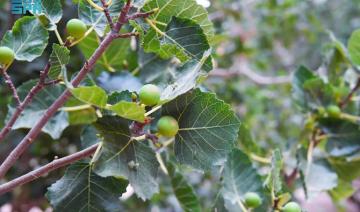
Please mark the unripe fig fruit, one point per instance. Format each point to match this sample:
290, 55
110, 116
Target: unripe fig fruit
7, 56
76, 28
333, 111
167, 126
252, 200
149, 95
291, 207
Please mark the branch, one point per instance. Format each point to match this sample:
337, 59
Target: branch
107, 14
127, 35
56, 164
253, 76
143, 15
123, 16
241, 67
28, 99
350, 95
34, 132
11, 85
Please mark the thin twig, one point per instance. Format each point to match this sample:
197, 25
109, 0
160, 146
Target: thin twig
127, 35
34, 132
11, 85
56, 164
350, 95
28, 99
52, 82
241, 67
143, 15
162, 164
107, 14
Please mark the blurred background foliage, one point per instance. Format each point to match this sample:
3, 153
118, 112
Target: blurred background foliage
258, 46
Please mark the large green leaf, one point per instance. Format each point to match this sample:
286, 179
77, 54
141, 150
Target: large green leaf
81, 190
36, 109
208, 128
186, 78
94, 18
153, 69
52, 10
175, 41
183, 191
27, 38
93, 95
113, 57
123, 156
240, 177
188, 9
354, 47
89, 136
59, 57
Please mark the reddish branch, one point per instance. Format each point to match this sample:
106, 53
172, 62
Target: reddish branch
127, 35
107, 14
141, 15
34, 132
10, 83
350, 95
56, 164
21, 106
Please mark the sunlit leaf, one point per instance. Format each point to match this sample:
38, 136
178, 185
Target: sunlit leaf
27, 38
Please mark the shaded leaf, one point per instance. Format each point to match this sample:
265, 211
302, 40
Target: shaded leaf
122, 156
246, 142
153, 69
310, 91
174, 41
208, 128
36, 109
240, 177
187, 78
184, 192
27, 38
319, 177
89, 136
343, 137
180, 8
82, 190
